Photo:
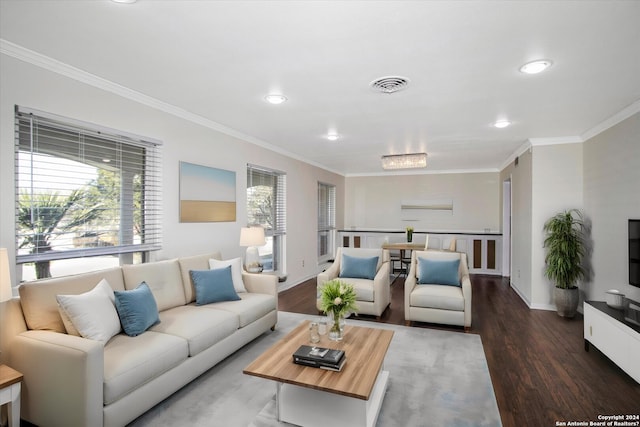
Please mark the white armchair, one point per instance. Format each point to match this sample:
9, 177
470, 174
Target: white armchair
435, 302
372, 295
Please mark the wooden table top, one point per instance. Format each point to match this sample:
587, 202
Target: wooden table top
365, 349
405, 246
9, 376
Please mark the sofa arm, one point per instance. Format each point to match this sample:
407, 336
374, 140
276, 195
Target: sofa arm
63, 378
409, 285
260, 283
381, 286
329, 274
466, 293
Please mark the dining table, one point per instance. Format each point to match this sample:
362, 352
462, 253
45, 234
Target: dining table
403, 247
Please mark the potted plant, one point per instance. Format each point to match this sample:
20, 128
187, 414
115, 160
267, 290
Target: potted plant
565, 248
409, 234
337, 298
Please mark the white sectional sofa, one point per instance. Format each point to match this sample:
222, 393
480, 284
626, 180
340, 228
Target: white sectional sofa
73, 381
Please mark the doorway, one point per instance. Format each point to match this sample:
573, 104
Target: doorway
506, 227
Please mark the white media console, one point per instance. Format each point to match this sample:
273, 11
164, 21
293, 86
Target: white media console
618, 338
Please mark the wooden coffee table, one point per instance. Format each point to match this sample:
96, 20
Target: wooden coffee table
313, 397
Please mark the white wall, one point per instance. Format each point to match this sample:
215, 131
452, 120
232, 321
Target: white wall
31, 86
556, 186
611, 198
373, 202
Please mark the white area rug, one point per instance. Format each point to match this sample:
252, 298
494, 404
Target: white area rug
437, 378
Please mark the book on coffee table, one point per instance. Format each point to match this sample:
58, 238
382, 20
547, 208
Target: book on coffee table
319, 357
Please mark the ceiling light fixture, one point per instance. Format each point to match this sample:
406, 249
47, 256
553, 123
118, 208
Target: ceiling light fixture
275, 99
124, 1
333, 136
404, 161
502, 124
535, 67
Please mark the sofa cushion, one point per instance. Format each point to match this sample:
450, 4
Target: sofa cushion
137, 309
438, 272
438, 296
196, 262
363, 288
236, 271
201, 328
358, 267
38, 298
130, 362
214, 285
250, 308
164, 279
92, 314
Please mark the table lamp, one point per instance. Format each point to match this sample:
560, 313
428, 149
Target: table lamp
252, 237
6, 293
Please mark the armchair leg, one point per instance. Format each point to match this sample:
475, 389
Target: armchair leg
407, 322
467, 329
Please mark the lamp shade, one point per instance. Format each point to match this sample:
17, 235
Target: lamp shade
252, 236
6, 292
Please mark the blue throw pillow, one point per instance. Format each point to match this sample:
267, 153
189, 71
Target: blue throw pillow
358, 268
137, 309
438, 272
213, 285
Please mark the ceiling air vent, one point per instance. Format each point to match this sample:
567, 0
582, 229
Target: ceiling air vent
389, 84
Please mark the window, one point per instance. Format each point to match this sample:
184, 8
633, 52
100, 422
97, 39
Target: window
266, 206
82, 191
326, 221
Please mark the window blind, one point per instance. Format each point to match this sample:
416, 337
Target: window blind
326, 207
266, 199
83, 190
326, 220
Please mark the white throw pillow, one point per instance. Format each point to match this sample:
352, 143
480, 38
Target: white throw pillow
93, 313
236, 271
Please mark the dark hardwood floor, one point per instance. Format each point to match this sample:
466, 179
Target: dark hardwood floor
540, 370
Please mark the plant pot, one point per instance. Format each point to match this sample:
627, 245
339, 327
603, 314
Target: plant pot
567, 301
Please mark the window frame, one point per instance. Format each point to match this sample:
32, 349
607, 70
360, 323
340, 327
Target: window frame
326, 221
50, 139
277, 230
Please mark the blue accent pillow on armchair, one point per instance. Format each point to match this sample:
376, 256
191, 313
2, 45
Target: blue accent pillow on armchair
438, 272
358, 268
137, 309
214, 285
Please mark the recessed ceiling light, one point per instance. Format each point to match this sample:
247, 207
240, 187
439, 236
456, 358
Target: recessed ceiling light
275, 99
535, 67
124, 1
333, 136
502, 124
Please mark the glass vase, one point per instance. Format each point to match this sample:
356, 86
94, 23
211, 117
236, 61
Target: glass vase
336, 333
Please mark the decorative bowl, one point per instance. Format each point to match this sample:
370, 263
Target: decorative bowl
614, 298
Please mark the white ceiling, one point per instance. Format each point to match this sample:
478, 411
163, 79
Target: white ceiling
216, 60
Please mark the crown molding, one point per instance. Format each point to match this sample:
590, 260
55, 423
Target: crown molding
26, 55
421, 172
627, 112
537, 142
517, 153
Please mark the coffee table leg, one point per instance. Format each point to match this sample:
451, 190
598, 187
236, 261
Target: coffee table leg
278, 387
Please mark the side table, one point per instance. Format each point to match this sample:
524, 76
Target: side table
10, 381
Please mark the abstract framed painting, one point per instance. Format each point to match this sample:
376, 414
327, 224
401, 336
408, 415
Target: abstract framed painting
207, 194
